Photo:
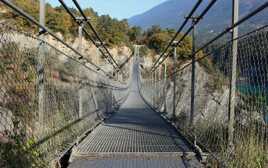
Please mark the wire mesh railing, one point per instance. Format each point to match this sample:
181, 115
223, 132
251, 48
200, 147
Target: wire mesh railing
211, 113
38, 124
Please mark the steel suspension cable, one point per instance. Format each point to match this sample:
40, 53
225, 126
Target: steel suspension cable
205, 11
245, 18
210, 53
179, 31
95, 32
127, 60
88, 35
31, 19
56, 49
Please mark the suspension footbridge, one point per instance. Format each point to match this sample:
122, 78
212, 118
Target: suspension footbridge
60, 109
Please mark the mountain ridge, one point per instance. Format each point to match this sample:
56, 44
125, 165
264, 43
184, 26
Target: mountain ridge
171, 13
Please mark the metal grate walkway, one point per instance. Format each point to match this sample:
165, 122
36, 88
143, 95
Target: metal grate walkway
136, 136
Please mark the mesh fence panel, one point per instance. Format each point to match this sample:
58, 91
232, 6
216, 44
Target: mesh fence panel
210, 127
36, 127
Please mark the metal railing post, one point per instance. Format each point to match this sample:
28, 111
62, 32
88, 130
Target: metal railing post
194, 19
174, 81
159, 79
41, 68
165, 87
80, 92
152, 87
81, 21
94, 98
231, 115
112, 101
154, 90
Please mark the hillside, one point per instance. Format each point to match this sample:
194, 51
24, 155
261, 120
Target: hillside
115, 32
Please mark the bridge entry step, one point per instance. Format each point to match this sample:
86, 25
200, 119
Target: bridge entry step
135, 160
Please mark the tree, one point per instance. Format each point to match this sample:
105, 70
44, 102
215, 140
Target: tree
158, 41
134, 33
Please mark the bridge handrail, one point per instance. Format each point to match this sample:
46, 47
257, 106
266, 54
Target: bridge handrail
207, 54
31, 19
95, 32
227, 30
204, 12
210, 128
198, 3
86, 32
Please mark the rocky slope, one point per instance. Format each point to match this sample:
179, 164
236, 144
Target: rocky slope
87, 48
211, 104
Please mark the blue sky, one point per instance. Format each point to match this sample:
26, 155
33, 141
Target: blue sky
116, 8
